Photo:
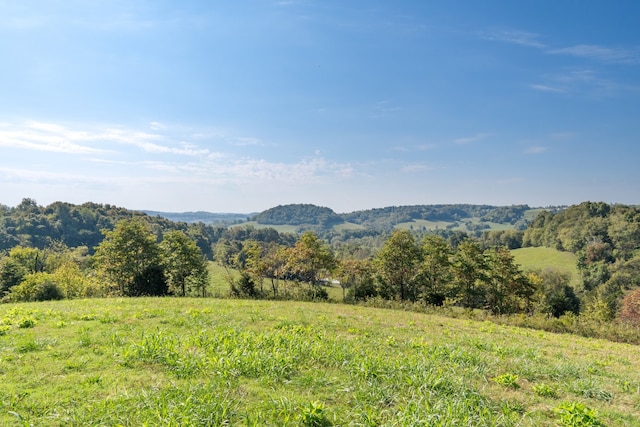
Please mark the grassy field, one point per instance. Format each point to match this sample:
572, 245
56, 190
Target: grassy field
174, 362
542, 258
420, 224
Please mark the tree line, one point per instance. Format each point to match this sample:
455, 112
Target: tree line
141, 255
428, 270
129, 261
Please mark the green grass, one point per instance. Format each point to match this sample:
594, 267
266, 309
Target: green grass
218, 285
172, 361
420, 224
541, 258
531, 214
348, 226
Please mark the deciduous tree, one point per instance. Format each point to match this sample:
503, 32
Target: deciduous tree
398, 266
129, 257
184, 263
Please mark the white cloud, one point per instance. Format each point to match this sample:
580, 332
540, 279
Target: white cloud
583, 81
48, 176
52, 137
470, 139
45, 137
601, 53
157, 126
415, 167
131, 166
521, 38
563, 136
538, 149
245, 141
547, 88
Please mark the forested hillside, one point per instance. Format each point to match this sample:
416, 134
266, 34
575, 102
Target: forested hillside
32, 225
606, 240
385, 218
299, 214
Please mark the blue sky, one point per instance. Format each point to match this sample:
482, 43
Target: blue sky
239, 106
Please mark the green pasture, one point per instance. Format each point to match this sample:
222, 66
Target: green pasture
214, 362
348, 226
462, 225
542, 258
420, 224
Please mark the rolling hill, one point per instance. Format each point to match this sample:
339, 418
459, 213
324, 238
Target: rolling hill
169, 361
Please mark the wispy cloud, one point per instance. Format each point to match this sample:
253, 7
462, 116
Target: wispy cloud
245, 141
521, 38
547, 88
416, 167
583, 81
157, 126
563, 136
469, 139
601, 53
40, 136
30, 175
537, 149
51, 137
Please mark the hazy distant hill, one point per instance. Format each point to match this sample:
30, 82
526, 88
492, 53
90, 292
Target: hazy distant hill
455, 216
200, 216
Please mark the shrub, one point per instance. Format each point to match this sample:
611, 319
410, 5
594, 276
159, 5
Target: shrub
630, 310
36, 287
244, 287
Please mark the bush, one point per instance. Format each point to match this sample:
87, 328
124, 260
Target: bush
630, 310
36, 287
244, 287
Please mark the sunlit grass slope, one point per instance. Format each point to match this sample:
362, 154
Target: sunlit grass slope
542, 258
174, 361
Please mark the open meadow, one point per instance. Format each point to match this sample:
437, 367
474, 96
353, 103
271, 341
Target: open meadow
172, 361
542, 258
